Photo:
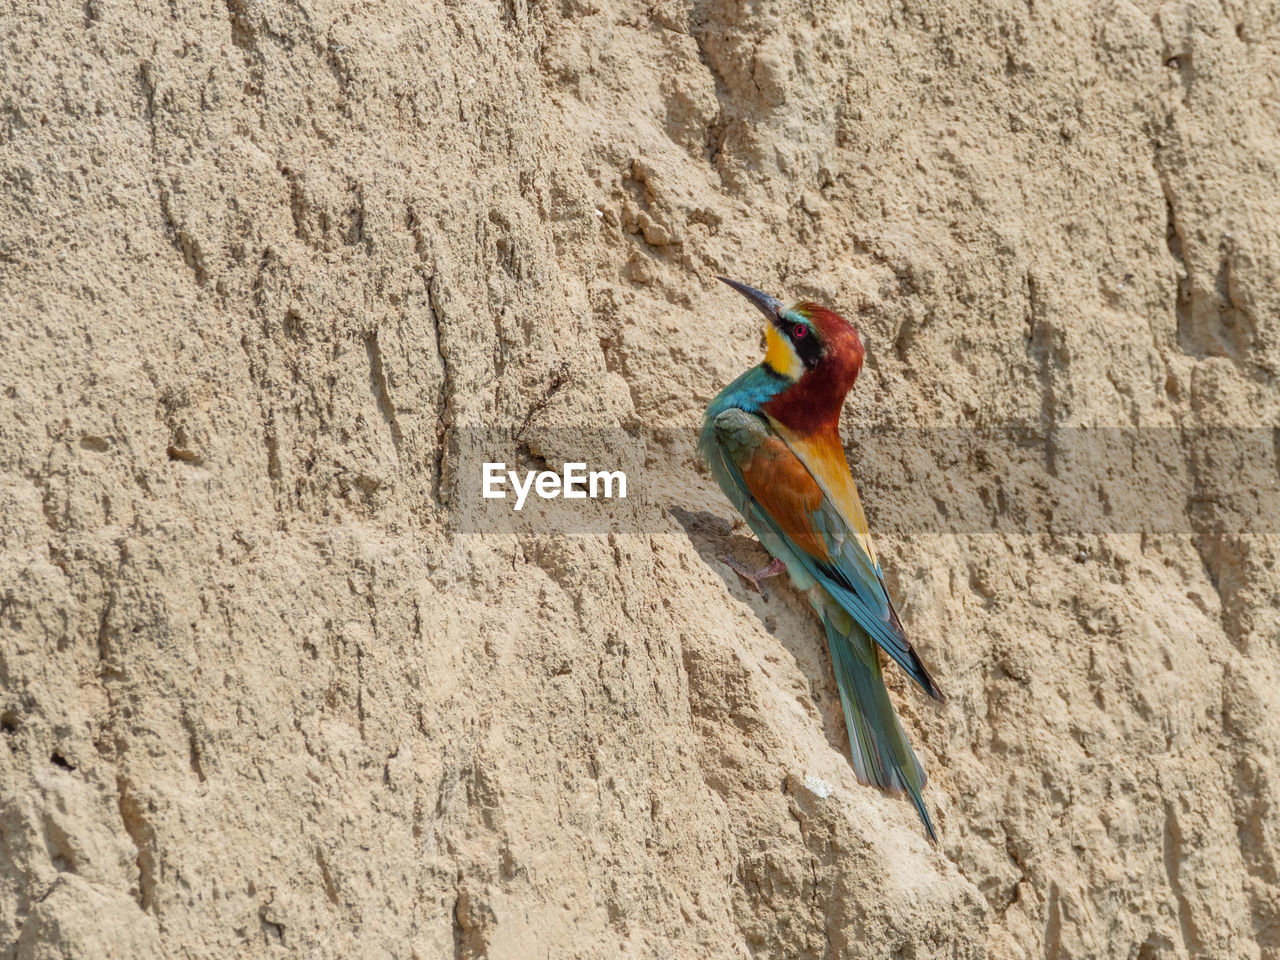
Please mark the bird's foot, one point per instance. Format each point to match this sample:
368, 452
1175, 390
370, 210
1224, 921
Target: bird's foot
754, 577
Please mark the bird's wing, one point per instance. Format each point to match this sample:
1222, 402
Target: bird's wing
799, 520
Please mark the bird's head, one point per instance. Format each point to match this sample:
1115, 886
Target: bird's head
808, 342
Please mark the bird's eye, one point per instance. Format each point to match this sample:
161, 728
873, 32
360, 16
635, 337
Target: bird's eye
799, 330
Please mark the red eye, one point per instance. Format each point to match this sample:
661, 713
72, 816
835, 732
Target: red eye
799, 330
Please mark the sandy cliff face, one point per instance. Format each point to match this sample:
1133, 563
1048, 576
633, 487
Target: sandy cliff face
272, 684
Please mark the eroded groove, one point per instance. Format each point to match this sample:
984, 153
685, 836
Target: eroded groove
1182, 299
381, 392
242, 32
149, 101
143, 836
186, 245
443, 405
330, 888
195, 752
1172, 869
1053, 925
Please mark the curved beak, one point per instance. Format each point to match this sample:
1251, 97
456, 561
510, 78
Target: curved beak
771, 307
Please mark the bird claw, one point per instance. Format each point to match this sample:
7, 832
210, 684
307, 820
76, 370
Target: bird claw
754, 577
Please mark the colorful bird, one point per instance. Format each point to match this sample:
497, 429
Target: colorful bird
772, 441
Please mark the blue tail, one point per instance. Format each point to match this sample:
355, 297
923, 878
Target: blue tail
879, 749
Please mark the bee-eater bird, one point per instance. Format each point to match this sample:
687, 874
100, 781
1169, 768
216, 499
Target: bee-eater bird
772, 441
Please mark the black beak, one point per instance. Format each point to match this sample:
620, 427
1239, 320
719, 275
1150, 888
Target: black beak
771, 307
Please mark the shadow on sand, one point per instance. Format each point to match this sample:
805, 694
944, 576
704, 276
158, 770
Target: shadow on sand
784, 613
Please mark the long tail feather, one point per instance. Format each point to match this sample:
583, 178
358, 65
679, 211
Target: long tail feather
880, 752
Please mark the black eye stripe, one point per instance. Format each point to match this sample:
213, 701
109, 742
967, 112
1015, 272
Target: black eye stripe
806, 344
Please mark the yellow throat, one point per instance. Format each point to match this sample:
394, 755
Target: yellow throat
781, 356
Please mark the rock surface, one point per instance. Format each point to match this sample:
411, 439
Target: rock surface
271, 684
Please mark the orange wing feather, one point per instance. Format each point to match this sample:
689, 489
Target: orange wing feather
787, 491
824, 456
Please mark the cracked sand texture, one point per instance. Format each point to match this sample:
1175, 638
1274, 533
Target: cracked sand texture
264, 263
